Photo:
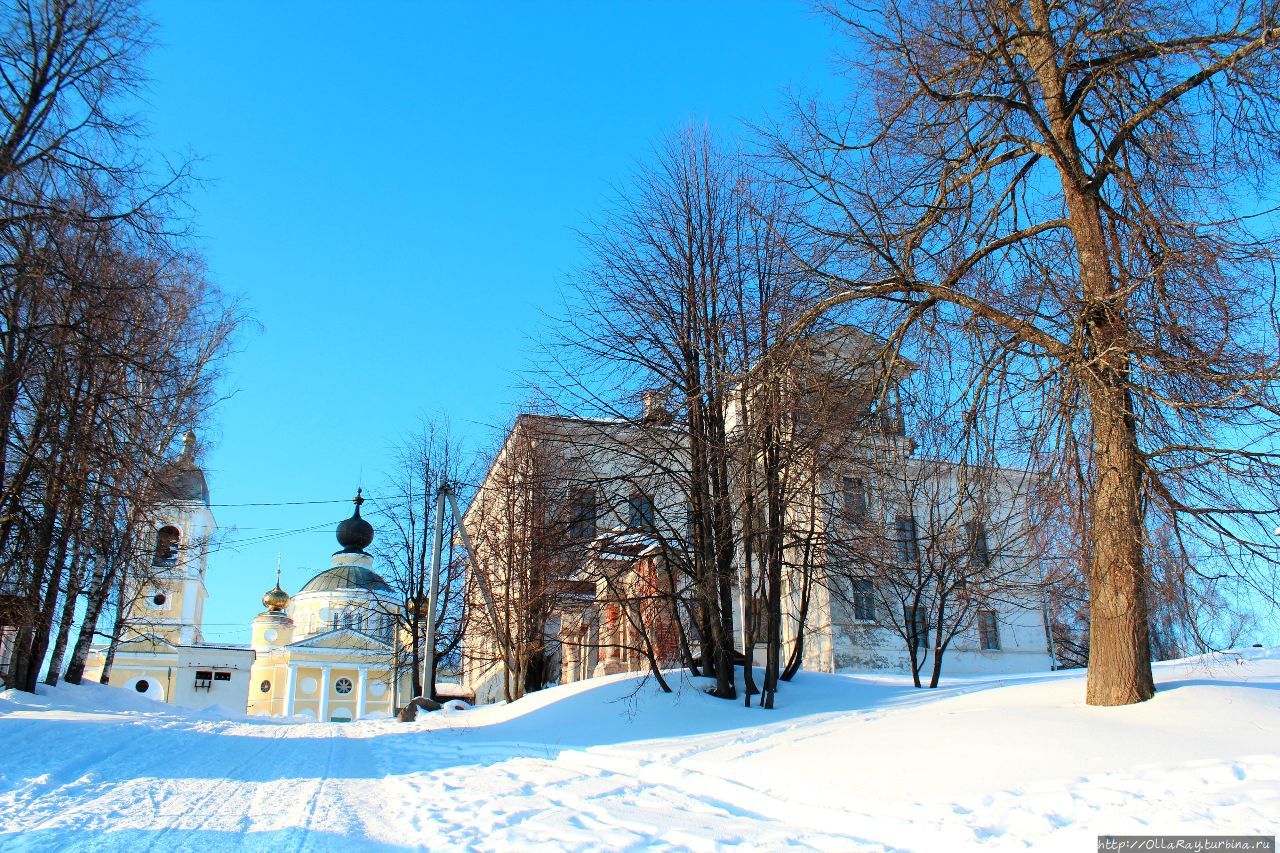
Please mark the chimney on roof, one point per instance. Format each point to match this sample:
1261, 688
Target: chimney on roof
655, 408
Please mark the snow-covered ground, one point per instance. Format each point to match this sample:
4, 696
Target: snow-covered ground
846, 762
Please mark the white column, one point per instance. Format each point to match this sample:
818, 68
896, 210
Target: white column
324, 693
361, 682
290, 687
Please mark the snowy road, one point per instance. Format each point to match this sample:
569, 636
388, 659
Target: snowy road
846, 763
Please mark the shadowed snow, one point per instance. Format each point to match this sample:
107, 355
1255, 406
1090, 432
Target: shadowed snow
845, 761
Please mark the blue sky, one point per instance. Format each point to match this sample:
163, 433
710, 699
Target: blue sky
394, 189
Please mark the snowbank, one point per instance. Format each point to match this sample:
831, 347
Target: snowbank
845, 761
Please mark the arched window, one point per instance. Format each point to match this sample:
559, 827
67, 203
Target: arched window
166, 546
348, 619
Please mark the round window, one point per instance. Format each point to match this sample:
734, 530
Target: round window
142, 685
265, 686
159, 599
342, 685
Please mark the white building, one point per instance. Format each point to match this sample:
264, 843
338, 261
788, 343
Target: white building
618, 487
327, 653
164, 655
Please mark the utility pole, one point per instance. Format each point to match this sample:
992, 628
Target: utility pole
429, 655
482, 582
445, 492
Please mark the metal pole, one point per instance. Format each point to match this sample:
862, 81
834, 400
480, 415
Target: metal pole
437, 546
483, 583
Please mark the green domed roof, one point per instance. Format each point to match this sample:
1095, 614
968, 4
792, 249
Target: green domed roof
346, 577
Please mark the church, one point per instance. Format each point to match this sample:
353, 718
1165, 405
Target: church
327, 652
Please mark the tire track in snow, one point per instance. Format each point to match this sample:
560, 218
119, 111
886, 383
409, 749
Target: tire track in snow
99, 790
229, 787
307, 827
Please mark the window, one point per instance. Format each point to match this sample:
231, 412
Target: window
204, 679
582, 515
142, 685
864, 602
166, 546
222, 676
159, 599
904, 528
917, 629
988, 630
976, 545
342, 685
640, 513
348, 619
265, 686
855, 499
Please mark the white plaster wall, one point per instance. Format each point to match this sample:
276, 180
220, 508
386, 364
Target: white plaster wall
233, 694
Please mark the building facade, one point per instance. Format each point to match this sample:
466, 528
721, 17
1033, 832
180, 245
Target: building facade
598, 508
162, 653
328, 652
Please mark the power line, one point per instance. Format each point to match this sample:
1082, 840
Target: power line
392, 497
296, 503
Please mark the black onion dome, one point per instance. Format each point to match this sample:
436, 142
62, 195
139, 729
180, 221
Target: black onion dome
355, 534
182, 480
346, 577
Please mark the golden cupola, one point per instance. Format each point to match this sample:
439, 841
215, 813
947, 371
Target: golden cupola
276, 599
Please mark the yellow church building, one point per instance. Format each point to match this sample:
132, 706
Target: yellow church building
326, 653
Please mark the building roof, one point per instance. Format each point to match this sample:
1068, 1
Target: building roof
182, 480
346, 577
355, 533
316, 640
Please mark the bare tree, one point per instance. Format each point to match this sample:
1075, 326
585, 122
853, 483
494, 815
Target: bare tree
425, 459
525, 559
952, 542
67, 67
651, 312
693, 297
109, 335
1057, 187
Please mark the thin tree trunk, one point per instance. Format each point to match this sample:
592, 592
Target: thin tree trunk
69, 600
118, 629
99, 591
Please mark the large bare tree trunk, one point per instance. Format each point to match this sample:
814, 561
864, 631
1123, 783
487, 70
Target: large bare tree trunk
1119, 639
1119, 634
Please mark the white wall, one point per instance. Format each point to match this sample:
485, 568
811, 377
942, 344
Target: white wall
232, 694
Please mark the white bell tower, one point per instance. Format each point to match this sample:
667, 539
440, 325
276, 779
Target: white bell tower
169, 601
